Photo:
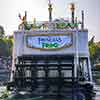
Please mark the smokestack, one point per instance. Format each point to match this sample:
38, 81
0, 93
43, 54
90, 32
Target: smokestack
82, 25
72, 8
50, 11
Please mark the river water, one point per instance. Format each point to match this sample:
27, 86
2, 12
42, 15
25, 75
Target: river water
97, 91
24, 96
28, 97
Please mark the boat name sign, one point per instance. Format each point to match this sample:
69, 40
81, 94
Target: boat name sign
48, 42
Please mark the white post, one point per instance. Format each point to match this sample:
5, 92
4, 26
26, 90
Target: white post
76, 53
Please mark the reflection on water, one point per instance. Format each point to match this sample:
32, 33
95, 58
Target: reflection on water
97, 91
23, 96
30, 97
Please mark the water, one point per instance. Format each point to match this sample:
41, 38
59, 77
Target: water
97, 91
27, 96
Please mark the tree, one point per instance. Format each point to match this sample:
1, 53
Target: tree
3, 48
6, 46
1, 31
94, 49
97, 53
6, 43
9, 42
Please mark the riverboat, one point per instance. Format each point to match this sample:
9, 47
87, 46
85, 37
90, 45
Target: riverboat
51, 58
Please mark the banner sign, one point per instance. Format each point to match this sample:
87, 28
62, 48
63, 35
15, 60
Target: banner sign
49, 41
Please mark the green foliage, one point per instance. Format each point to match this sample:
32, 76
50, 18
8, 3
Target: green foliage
1, 31
6, 45
61, 25
94, 49
27, 26
66, 25
3, 48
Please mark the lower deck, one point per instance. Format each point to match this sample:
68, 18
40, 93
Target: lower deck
51, 77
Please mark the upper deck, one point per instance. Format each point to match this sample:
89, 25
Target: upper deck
51, 42
58, 36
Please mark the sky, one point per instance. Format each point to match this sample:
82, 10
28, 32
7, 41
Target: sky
9, 10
